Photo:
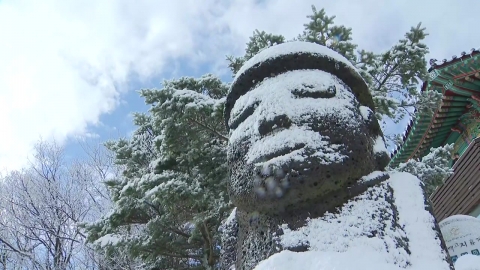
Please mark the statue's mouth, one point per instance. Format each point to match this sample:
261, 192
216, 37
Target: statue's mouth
296, 144
279, 153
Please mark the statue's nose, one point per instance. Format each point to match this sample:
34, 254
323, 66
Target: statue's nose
277, 123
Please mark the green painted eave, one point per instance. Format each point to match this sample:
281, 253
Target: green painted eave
452, 138
457, 90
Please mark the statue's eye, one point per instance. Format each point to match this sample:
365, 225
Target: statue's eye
238, 118
310, 91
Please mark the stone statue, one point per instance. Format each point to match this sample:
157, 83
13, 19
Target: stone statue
304, 141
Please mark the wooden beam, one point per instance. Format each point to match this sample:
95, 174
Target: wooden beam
454, 103
459, 193
460, 76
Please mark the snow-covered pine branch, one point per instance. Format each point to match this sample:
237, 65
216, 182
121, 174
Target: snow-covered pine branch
173, 187
432, 169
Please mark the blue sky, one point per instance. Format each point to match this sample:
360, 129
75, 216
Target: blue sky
118, 123
71, 68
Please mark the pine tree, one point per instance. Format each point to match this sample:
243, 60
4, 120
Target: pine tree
394, 76
321, 30
432, 169
258, 42
173, 190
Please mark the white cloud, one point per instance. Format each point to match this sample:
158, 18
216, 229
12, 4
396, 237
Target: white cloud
64, 63
376, 24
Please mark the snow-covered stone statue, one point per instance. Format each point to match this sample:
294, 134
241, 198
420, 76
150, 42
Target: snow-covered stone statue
306, 157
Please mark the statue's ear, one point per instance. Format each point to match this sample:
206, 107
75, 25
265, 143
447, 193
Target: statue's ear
380, 153
382, 158
372, 124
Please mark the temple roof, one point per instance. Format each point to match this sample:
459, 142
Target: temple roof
459, 82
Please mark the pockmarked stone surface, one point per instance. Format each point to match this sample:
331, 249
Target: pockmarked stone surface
295, 122
304, 140
462, 235
387, 227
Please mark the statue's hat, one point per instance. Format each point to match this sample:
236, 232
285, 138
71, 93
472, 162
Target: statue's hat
296, 55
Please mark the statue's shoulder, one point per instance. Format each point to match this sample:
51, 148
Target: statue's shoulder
396, 180
405, 182
394, 204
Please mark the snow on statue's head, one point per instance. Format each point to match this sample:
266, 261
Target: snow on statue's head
302, 129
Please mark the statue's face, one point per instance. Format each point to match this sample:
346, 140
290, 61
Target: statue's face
295, 138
